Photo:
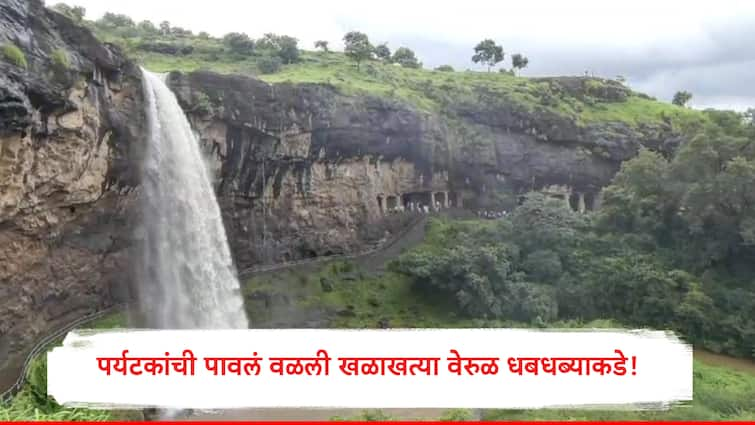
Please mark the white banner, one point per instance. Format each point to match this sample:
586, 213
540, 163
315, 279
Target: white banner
407, 368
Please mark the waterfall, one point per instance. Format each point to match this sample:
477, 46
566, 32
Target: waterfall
188, 279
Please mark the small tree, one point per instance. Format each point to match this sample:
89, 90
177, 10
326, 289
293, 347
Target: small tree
147, 28
488, 53
283, 46
445, 68
749, 117
519, 61
76, 12
357, 46
165, 27
322, 45
239, 43
406, 57
383, 52
681, 98
115, 20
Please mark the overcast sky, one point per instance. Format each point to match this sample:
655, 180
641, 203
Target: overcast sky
660, 46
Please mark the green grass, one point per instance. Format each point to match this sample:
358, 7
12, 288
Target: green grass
428, 90
637, 110
719, 394
14, 55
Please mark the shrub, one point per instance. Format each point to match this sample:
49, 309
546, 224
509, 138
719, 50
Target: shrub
14, 55
445, 68
269, 64
60, 59
202, 103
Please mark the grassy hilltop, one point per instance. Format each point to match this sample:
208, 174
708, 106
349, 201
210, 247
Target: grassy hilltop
583, 100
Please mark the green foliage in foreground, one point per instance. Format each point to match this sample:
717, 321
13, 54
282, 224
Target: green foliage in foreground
33, 404
719, 394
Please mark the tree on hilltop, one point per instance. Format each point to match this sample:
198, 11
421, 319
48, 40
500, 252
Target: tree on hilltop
488, 53
322, 45
681, 98
383, 52
519, 61
357, 47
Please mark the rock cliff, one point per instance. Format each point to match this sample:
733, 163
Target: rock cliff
69, 125
326, 167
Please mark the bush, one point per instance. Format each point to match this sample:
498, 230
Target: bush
14, 55
445, 68
269, 64
60, 59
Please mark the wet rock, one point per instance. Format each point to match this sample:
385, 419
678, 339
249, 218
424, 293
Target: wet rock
66, 174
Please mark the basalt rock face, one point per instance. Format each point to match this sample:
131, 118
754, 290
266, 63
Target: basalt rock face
326, 167
69, 132
300, 168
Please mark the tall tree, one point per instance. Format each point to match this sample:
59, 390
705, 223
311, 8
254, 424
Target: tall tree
488, 53
357, 46
165, 27
322, 45
519, 61
681, 98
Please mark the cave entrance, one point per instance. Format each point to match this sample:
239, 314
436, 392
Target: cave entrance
574, 201
589, 201
440, 198
454, 200
416, 200
391, 202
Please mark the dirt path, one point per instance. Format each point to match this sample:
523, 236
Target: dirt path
713, 359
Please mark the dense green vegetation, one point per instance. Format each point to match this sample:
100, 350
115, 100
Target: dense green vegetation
347, 296
672, 247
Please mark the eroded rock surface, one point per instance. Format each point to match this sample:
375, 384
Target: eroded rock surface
68, 148
327, 167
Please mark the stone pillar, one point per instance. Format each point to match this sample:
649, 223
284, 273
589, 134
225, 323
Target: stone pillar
597, 201
458, 200
432, 199
446, 199
581, 204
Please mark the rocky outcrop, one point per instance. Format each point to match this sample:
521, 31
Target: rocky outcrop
69, 131
315, 170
